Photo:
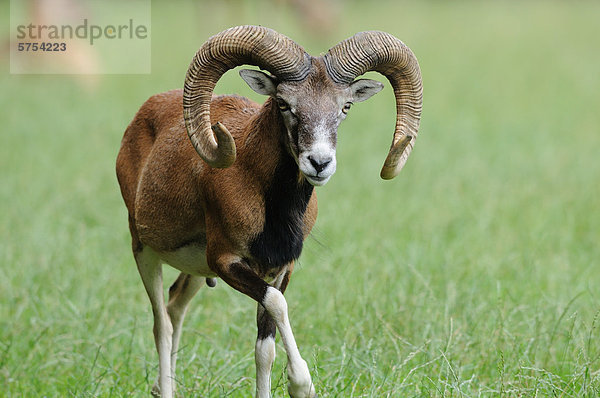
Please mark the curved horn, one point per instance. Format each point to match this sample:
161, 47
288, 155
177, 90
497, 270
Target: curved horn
382, 52
252, 45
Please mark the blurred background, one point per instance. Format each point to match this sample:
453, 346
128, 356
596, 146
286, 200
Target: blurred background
473, 273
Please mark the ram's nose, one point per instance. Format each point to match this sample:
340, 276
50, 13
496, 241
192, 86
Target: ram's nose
319, 163
318, 166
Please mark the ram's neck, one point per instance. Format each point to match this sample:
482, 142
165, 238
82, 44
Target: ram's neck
286, 192
286, 201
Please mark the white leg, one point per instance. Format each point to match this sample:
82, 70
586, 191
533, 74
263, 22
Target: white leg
150, 270
180, 294
300, 383
264, 353
242, 278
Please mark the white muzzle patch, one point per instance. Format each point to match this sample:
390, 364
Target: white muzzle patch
318, 163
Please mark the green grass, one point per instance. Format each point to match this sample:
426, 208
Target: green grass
474, 273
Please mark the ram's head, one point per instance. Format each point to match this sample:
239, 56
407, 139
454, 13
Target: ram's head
313, 93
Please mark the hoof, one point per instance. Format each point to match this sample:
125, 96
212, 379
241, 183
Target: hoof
311, 394
300, 384
155, 392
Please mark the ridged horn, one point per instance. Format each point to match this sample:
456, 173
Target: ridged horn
241, 45
384, 53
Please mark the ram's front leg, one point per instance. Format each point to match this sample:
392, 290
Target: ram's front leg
264, 352
300, 384
242, 278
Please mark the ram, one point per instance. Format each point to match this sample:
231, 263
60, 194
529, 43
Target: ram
241, 210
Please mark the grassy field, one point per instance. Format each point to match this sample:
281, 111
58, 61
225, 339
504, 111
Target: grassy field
474, 273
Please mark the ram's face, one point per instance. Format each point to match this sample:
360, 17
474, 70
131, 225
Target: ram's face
312, 114
312, 110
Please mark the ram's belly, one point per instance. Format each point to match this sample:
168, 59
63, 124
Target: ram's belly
190, 259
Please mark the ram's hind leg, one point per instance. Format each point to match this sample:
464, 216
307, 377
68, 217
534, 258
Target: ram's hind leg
180, 294
150, 269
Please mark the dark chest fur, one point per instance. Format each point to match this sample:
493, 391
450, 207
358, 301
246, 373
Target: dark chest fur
281, 239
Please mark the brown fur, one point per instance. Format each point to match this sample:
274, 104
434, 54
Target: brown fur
174, 198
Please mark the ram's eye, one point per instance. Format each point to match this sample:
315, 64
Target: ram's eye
283, 106
346, 107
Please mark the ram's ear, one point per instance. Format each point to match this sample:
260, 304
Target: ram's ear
363, 89
259, 81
